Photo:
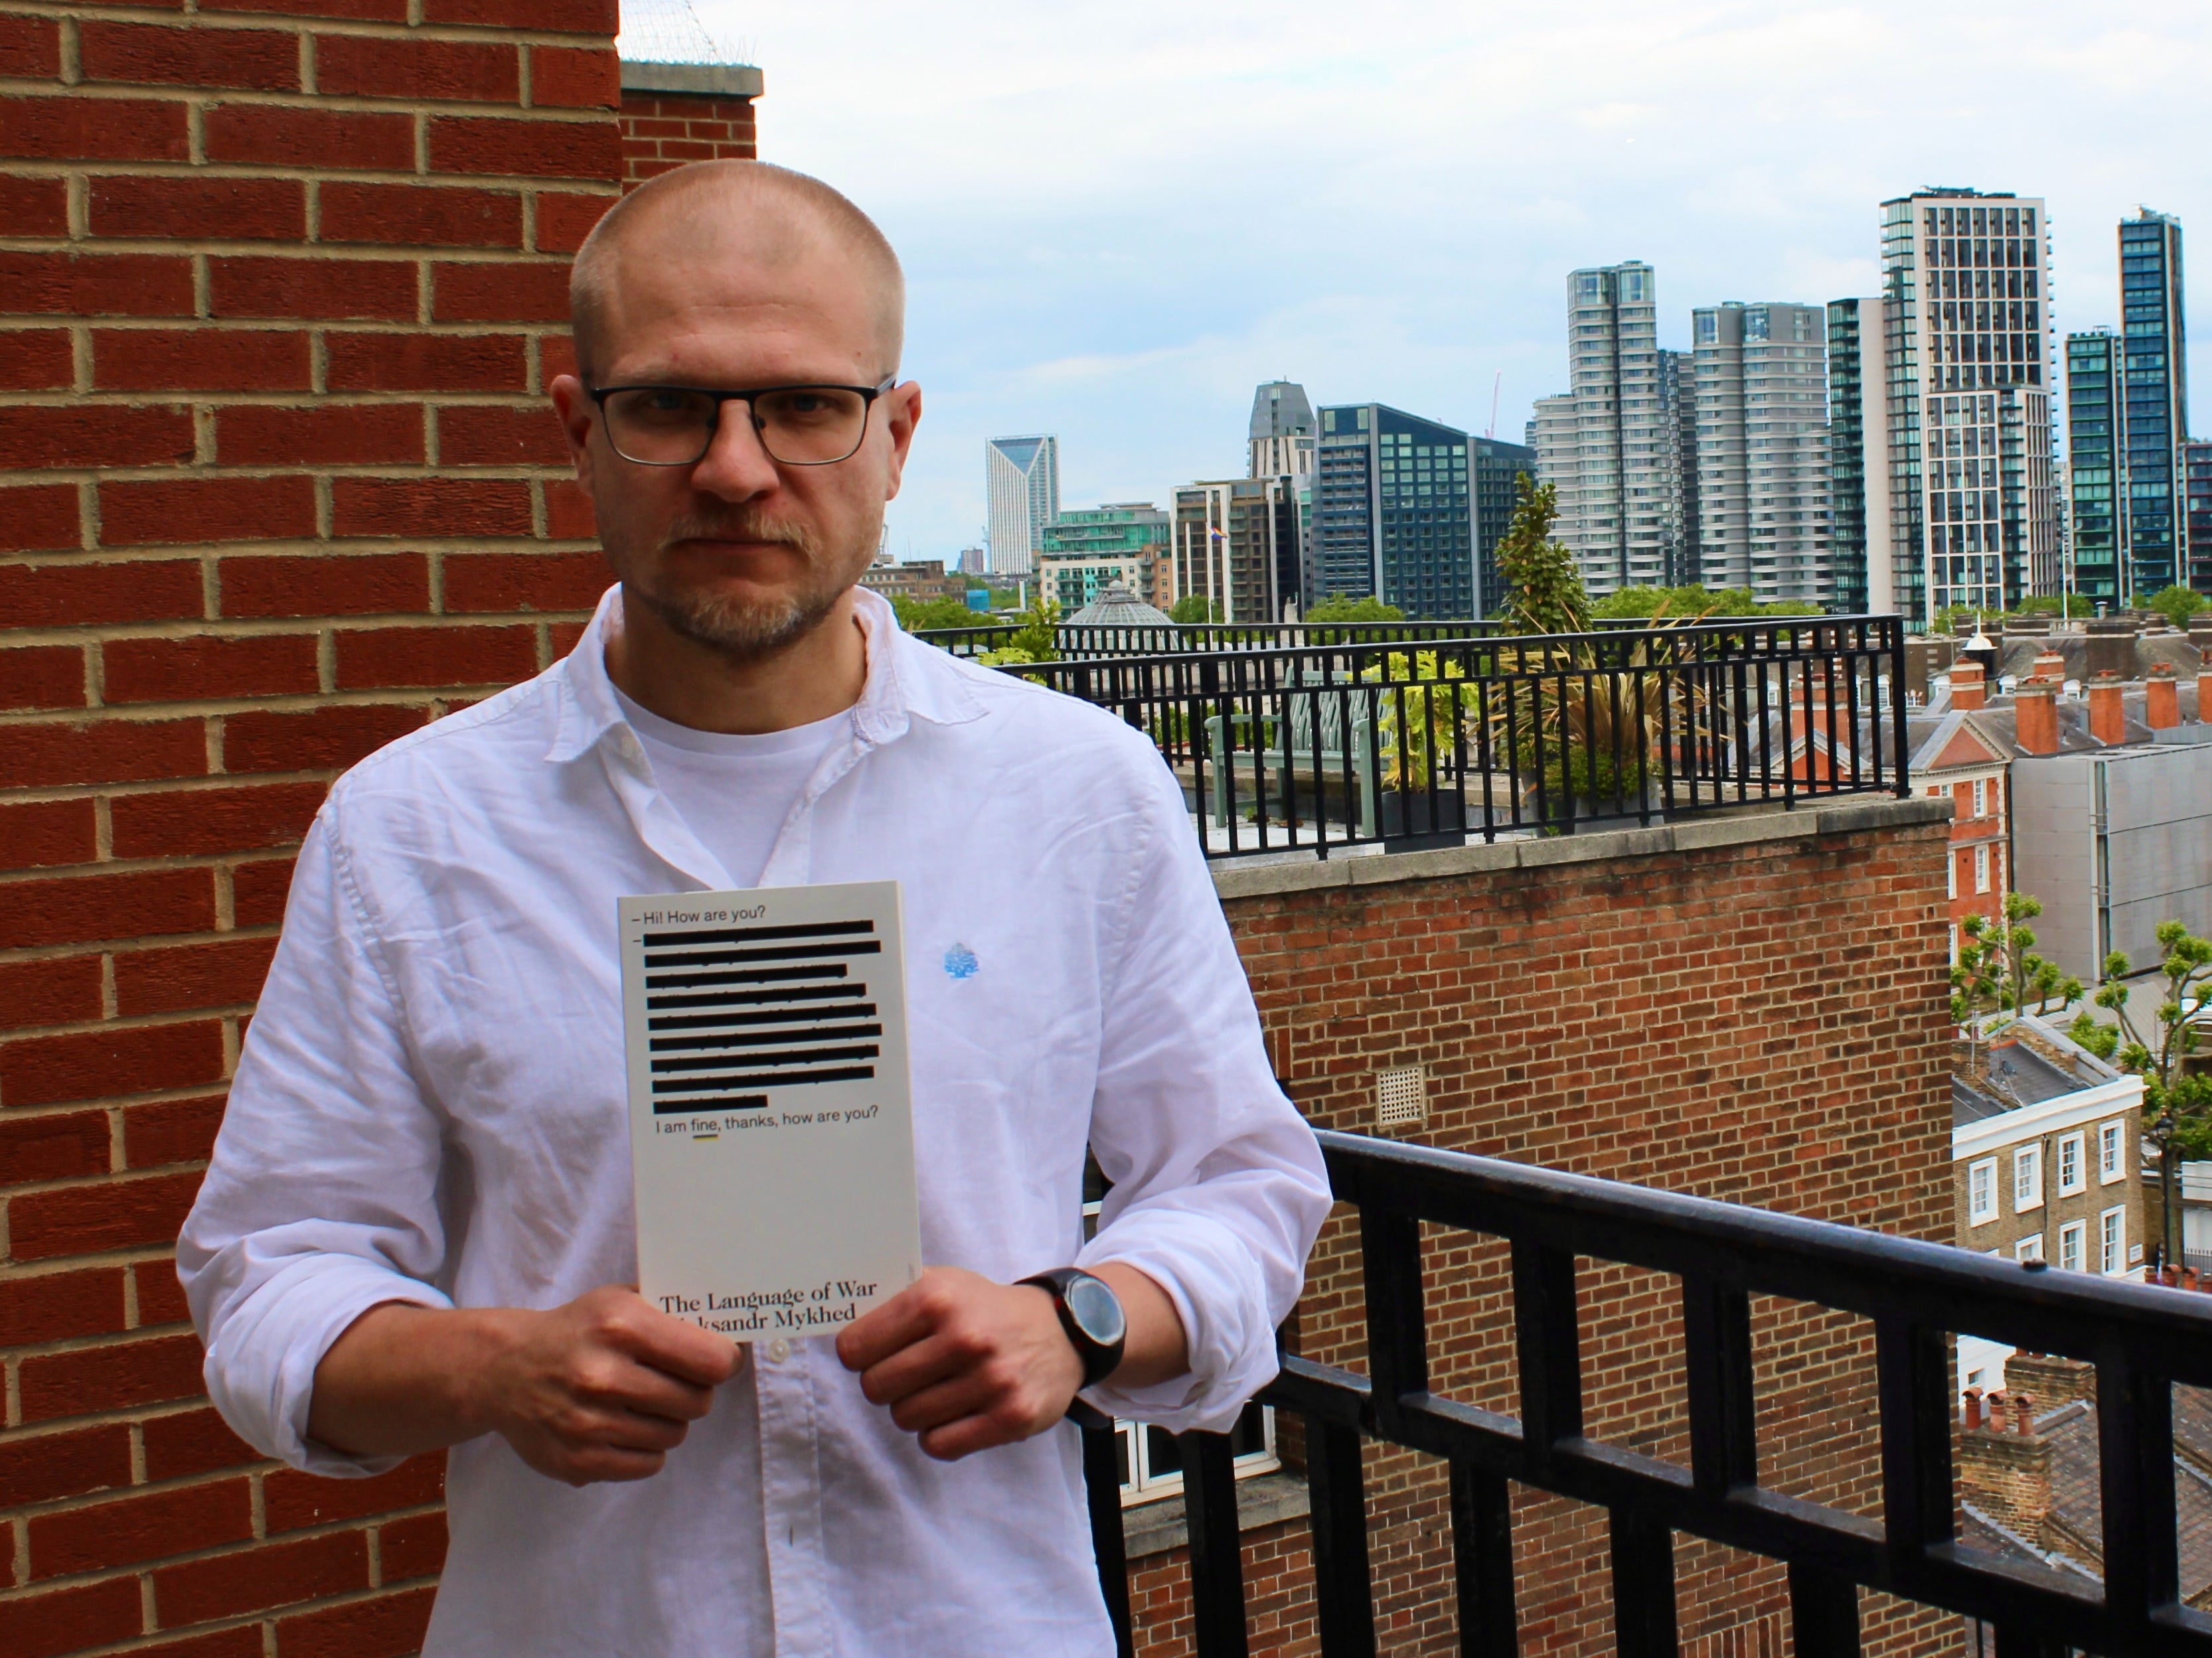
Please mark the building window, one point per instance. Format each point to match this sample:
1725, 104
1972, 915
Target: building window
2113, 1242
1981, 869
2027, 1178
1982, 1192
1981, 796
1951, 882
2073, 1239
2029, 1248
2108, 1152
2072, 1177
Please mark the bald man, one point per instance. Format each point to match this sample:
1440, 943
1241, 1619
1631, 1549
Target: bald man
416, 1233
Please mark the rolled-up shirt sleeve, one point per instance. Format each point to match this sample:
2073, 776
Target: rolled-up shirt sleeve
1219, 1186
322, 1201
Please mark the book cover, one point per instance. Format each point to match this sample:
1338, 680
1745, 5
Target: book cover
771, 1130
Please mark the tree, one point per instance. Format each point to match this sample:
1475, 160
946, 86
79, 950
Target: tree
2177, 604
1340, 608
1194, 608
1693, 603
2159, 1053
1998, 971
1544, 590
915, 615
1036, 641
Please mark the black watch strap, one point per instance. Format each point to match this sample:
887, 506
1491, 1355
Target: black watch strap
1099, 1350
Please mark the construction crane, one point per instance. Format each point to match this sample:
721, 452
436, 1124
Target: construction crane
1492, 431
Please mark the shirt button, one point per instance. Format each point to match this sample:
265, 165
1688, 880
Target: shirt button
778, 1350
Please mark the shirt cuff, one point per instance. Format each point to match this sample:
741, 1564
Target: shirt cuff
1232, 1354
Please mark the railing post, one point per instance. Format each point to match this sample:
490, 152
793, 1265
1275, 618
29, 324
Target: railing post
1550, 1348
1914, 1364
1643, 1585
2134, 1461
1897, 706
1482, 1562
1824, 1613
1216, 1550
1342, 1585
1723, 1405
1101, 1490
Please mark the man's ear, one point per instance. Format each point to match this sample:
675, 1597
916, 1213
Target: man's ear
902, 414
577, 415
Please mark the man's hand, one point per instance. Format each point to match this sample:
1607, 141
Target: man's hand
601, 1388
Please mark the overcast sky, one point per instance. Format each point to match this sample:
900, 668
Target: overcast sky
1116, 219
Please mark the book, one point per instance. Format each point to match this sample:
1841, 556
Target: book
771, 1124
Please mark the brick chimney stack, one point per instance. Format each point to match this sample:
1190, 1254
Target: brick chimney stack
2161, 697
2050, 665
2108, 722
2204, 691
2007, 1475
1969, 684
2035, 709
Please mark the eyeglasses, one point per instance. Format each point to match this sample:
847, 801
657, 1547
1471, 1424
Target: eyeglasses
798, 425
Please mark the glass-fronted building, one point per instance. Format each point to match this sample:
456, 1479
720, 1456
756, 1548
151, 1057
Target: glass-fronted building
2197, 513
1394, 511
1762, 466
1087, 551
1854, 327
1492, 470
2155, 400
2095, 465
1021, 485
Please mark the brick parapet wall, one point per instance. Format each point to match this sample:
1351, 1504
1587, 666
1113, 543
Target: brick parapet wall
283, 290
662, 130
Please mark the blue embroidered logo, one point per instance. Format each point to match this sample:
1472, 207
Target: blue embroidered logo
960, 963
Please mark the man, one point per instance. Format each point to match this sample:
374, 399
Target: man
417, 1231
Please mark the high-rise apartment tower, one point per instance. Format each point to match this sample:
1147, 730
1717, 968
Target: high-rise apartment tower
1022, 489
1858, 460
2155, 400
1283, 432
2096, 465
1765, 516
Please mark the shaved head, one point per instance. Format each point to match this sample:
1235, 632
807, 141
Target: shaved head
729, 215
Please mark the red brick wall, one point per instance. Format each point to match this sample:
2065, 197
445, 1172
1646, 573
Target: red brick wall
280, 289
661, 131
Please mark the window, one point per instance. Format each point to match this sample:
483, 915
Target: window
1982, 1192
2113, 1242
2027, 1178
1981, 869
1981, 796
2073, 1239
2029, 1248
2108, 1152
2071, 1177
1951, 882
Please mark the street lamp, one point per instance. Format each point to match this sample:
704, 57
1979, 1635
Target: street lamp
2169, 1173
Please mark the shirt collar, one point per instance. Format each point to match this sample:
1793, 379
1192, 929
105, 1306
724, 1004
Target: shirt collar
905, 680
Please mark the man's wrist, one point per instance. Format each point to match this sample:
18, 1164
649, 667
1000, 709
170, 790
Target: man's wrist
1090, 1316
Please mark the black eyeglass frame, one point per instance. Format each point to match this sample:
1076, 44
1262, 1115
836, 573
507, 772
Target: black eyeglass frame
867, 394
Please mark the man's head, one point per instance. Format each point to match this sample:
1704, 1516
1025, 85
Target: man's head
736, 276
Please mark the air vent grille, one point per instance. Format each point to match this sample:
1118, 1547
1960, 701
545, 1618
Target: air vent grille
1401, 1097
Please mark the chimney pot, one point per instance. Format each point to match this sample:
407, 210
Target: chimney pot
1973, 1397
1969, 684
2023, 1413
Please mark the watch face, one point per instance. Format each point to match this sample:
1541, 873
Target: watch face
1097, 1311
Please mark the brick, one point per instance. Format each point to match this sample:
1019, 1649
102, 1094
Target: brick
97, 284
258, 889
43, 1467
171, 1131
501, 291
564, 637
362, 11
574, 77
30, 48
42, 677
344, 434
420, 71
160, 1297
475, 435
171, 670
115, 1214
53, 992
36, 359
568, 515
207, 509
212, 821
69, 1619
39, 835
554, 16
525, 581
42, 517
94, 1064
372, 584
532, 149
564, 219
427, 362
200, 360
265, 60
96, 435
86, 908
53, 1148
183, 977
319, 739
270, 1575
102, 751
384, 1628
436, 656
58, 1306
117, 1376
242, 1642
294, 1501
245, 209
414, 1547
72, 128
69, 595
130, 1530
429, 506
34, 207
422, 215
252, 285
283, 135
193, 1442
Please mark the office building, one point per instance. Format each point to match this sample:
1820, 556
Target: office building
1236, 540
1606, 443
1022, 489
2096, 465
2154, 399
1762, 470
1974, 514
1394, 511
1858, 464
1493, 469
1283, 432
1084, 553
2196, 470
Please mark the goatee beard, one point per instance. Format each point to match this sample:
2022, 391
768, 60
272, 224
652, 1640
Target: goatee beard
745, 630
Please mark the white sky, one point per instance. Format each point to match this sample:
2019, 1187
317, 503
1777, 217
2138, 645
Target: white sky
1117, 219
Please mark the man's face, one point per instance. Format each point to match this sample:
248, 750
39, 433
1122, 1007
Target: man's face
740, 552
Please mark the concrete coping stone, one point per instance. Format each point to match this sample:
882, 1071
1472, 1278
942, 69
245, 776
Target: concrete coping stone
1236, 879
699, 80
1264, 1500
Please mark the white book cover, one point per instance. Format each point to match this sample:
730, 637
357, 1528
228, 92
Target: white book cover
771, 1130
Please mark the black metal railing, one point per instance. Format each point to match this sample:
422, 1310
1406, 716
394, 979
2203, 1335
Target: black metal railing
1406, 743
1076, 640
2141, 1339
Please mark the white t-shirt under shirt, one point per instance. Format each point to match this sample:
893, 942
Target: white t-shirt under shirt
733, 792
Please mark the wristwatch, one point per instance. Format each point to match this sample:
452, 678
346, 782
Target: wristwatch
1091, 1314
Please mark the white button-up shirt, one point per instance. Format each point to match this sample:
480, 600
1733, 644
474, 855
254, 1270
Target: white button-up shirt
430, 1107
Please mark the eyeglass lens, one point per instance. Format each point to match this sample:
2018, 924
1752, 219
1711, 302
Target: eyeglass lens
799, 425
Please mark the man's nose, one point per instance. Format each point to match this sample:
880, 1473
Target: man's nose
735, 466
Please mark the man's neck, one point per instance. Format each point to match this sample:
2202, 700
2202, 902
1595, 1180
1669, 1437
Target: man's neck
820, 673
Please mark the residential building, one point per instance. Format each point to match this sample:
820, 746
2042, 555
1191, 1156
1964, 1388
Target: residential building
918, 579
1234, 538
2195, 466
1022, 489
1283, 432
1762, 450
1394, 511
1974, 511
2096, 466
1493, 472
1606, 442
2156, 398
1858, 466
1955, 757
1678, 413
1084, 552
973, 560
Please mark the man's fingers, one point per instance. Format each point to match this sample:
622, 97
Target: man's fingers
911, 1369
905, 1319
628, 1323
625, 1384
947, 1401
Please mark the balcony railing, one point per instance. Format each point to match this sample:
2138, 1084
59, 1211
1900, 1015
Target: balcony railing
2142, 1340
1403, 742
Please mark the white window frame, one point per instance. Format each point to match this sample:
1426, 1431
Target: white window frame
1951, 877
2074, 1246
1981, 796
2113, 1240
1981, 1191
2112, 1152
2027, 1178
1981, 869
2029, 1248
2073, 1165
